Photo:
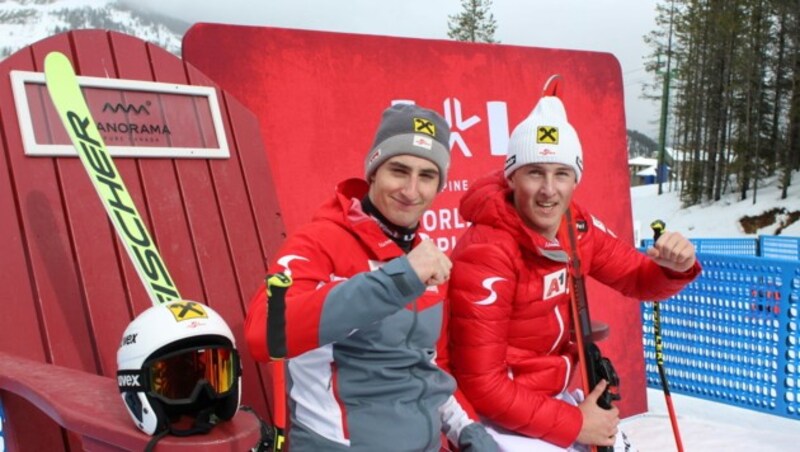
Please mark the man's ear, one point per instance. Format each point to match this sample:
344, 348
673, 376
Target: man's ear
510, 181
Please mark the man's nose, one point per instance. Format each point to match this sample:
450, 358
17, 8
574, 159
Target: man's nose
548, 184
411, 185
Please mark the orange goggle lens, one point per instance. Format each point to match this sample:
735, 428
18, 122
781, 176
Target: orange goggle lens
176, 376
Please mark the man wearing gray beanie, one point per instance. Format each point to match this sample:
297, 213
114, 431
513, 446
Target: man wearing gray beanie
366, 315
411, 130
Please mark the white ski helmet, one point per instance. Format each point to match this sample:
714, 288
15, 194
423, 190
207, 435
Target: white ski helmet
178, 359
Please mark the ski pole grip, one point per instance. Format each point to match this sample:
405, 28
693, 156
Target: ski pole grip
658, 227
277, 285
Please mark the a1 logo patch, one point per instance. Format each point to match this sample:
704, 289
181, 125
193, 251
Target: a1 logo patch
555, 284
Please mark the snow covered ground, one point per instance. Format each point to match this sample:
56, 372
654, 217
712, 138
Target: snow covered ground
709, 426
705, 425
716, 220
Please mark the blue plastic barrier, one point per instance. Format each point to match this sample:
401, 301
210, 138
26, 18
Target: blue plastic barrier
779, 247
768, 246
734, 247
732, 335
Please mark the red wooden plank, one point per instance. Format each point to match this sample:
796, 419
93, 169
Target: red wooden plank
262, 201
61, 330
239, 224
198, 198
77, 315
130, 54
28, 428
169, 225
211, 247
19, 324
261, 191
52, 259
96, 243
240, 232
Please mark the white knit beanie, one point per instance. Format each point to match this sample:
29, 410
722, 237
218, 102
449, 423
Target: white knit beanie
545, 136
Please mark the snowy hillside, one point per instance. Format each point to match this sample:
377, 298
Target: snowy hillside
717, 220
23, 22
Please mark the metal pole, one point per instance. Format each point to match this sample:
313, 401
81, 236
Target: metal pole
662, 132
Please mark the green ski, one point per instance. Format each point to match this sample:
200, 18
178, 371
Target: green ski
64, 89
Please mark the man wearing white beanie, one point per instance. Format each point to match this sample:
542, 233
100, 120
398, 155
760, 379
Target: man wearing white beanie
511, 350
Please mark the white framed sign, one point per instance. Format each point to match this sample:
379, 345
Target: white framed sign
136, 118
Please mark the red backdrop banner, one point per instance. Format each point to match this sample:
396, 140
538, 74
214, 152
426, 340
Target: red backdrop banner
319, 98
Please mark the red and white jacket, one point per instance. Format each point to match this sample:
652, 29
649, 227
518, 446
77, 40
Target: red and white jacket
510, 319
366, 340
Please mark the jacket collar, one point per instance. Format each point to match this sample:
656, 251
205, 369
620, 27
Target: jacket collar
345, 209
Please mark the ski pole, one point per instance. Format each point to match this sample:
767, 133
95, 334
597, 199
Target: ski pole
276, 285
593, 365
658, 227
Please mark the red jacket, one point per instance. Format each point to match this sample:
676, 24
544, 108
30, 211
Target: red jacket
366, 339
509, 331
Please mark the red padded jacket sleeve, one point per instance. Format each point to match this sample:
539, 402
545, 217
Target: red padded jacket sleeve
304, 299
630, 272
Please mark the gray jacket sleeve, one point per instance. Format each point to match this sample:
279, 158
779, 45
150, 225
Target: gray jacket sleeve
380, 293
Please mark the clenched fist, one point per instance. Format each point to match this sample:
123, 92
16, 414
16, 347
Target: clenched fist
673, 251
430, 263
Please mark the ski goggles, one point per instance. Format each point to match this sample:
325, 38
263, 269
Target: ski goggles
180, 376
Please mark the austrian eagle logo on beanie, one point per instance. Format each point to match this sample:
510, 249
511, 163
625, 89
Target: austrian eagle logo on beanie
545, 136
407, 129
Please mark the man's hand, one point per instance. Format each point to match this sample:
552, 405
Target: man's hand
600, 426
673, 251
430, 263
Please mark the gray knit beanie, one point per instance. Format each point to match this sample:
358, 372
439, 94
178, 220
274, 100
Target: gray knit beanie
412, 130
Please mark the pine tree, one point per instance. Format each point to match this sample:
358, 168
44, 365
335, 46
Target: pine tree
475, 23
736, 93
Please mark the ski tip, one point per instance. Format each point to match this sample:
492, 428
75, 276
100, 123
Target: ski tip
58, 70
552, 87
55, 59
